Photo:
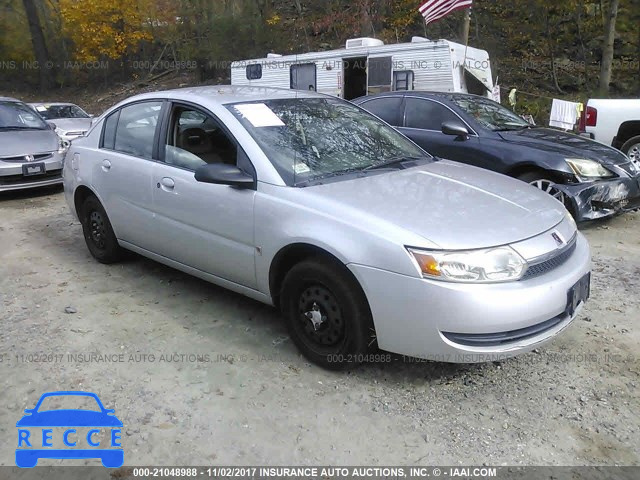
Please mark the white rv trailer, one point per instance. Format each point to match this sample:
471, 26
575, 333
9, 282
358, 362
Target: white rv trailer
368, 66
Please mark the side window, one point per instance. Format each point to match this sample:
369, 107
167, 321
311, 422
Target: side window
403, 81
388, 109
427, 115
254, 72
137, 128
109, 132
195, 139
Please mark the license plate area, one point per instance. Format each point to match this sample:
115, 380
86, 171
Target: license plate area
578, 294
31, 169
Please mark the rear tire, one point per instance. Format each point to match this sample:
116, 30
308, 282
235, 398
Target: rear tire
327, 314
98, 233
632, 148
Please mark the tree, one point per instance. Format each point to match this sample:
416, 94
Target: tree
105, 28
607, 45
38, 42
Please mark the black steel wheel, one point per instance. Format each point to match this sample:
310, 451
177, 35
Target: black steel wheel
327, 314
98, 233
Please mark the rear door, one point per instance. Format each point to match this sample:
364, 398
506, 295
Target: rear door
201, 225
122, 176
389, 109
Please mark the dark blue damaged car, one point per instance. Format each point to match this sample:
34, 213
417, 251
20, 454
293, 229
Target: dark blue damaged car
591, 179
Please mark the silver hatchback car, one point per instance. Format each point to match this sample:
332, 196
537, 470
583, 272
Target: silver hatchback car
311, 204
31, 153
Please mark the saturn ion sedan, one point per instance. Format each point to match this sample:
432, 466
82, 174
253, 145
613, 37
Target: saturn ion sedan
309, 203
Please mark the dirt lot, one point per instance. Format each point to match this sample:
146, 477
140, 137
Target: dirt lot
250, 398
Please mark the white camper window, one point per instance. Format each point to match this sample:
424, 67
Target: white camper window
403, 80
254, 72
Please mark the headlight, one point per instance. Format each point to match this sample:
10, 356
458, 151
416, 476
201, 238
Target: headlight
63, 145
499, 264
588, 169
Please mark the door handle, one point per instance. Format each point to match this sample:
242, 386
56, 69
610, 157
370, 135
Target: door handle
167, 183
106, 165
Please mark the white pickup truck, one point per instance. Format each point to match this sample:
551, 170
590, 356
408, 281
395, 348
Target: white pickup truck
615, 123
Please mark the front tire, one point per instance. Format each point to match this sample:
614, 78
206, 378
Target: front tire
327, 314
98, 233
545, 182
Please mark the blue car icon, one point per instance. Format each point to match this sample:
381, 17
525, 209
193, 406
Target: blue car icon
32, 447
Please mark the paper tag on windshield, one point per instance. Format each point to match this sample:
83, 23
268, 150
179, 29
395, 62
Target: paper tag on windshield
259, 115
301, 168
40, 108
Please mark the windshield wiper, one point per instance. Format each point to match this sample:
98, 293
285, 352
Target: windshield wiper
324, 176
514, 128
392, 162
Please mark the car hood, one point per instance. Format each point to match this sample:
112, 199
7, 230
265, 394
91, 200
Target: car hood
72, 124
450, 205
15, 143
69, 418
566, 144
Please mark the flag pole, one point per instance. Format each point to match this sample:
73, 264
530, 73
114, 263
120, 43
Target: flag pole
466, 26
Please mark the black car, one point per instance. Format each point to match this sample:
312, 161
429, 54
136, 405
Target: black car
591, 179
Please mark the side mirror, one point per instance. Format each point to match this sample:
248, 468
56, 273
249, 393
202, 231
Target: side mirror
222, 174
456, 129
52, 126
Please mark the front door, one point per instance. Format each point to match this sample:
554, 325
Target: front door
207, 227
423, 121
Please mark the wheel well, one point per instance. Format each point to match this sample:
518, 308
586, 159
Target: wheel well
81, 194
289, 256
518, 171
627, 130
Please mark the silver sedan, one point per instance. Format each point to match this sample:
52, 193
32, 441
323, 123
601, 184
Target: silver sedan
310, 204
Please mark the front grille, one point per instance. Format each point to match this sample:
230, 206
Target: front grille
23, 159
501, 338
19, 179
537, 269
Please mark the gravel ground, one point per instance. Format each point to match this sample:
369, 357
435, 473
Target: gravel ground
205, 376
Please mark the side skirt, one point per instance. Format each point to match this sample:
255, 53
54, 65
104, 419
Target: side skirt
221, 282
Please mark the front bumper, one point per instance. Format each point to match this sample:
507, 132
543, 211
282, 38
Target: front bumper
423, 318
590, 201
13, 178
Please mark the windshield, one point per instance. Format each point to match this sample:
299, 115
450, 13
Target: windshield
18, 116
313, 138
51, 112
490, 114
69, 402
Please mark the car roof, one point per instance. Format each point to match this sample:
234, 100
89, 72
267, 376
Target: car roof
51, 104
422, 94
227, 94
9, 99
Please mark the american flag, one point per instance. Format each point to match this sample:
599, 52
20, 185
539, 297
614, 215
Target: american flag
433, 10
